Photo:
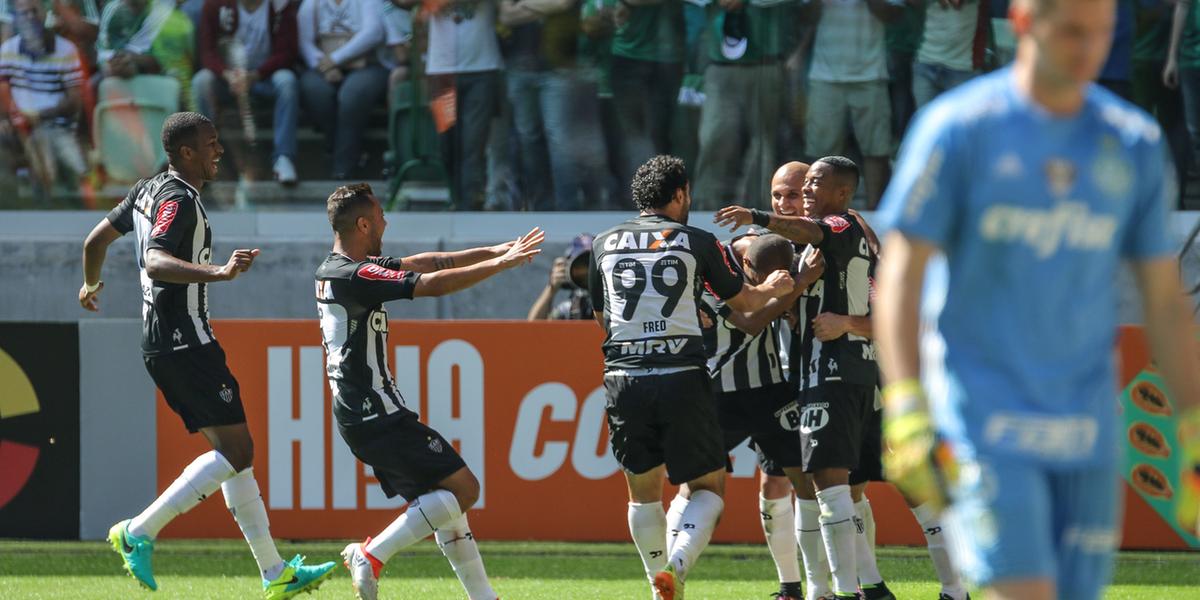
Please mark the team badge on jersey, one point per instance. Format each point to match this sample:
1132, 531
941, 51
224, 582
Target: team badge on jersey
226, 394
435, 444
1060, 174
164, 218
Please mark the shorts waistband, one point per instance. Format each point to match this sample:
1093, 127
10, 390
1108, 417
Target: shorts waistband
650, 371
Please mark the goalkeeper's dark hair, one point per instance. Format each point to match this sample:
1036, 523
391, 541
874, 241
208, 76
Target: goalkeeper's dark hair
656, 181
346, 204
769, 253
182, 129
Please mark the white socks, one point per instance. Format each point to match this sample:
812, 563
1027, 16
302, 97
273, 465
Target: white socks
778, 523
812, 548
868, 570
425, 515
839, 530
648, 526
700, 518
198, 481
674, 518
245, 503
936, 541
458, 544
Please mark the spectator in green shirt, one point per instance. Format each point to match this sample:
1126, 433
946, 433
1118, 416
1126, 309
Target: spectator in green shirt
128, 29
647, 68
1182, 70
1152, 36
743, 103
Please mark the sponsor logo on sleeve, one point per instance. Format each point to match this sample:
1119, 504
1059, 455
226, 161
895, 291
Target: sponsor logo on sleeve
837, 223
164, 218
375, 272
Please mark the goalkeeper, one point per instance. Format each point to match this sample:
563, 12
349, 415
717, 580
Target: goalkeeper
1035, 184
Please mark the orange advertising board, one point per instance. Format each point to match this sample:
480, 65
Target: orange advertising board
522, 402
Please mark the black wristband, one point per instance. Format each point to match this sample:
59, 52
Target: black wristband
760, 218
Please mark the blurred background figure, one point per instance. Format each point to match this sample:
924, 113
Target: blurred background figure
339, 40
40, 79
570, 274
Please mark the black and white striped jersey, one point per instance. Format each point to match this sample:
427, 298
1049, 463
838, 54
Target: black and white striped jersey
646, 275
165, 213
844, 288
738, 361
354, 331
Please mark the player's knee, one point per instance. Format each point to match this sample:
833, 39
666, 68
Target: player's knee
240, 455
773, 487
466, 490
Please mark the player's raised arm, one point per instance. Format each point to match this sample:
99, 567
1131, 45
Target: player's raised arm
428, 262
448, 281
801, 230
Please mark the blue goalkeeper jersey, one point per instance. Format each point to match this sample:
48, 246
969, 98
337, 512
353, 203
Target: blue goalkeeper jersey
1033, 213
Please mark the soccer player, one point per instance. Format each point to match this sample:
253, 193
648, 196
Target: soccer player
645, 281
1035, 184
409, 458
838, 377
754, 400
183, 357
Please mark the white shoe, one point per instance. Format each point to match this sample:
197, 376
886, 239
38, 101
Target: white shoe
285, 171
362, 576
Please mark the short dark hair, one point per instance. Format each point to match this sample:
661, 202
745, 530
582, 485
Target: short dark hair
182, 129
655, 183
770, 252
346, 204
843, 168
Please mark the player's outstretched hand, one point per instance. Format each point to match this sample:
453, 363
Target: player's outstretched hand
90, 300
524, 248
779, 283
733, 217
1187, 501
916, 459
239, 262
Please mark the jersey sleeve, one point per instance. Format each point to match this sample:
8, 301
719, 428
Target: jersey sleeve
373, 284
121, 216
595, 281
841, 237
924, 197
714, 267
387, 262
1156, 189
174, 218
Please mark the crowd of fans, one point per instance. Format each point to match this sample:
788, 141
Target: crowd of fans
551, 104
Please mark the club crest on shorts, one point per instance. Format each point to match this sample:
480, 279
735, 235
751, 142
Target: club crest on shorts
435, 444
226, 394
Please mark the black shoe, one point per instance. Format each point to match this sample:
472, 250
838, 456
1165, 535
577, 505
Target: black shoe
789, 591
949, 597
878, 591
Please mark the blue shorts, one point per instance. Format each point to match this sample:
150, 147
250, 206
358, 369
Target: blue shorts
1013, 520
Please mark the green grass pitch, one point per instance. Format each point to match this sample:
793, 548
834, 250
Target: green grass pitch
204, 570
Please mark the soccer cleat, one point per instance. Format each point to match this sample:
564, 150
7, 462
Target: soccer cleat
945, 596
785, 596
135, 552
297, 577
363, 573
879, 591
667, 583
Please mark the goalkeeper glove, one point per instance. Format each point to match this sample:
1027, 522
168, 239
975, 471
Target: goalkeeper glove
920, 463
1187, 502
